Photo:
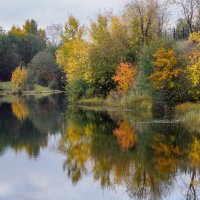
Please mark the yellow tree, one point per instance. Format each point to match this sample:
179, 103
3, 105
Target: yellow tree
72, 56
165, 70
194, 66
124, 77
147, 17
19, 78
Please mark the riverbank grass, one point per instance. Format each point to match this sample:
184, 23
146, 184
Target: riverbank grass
7, 88
125, 102
186, 108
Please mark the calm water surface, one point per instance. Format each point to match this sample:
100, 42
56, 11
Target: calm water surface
49, 151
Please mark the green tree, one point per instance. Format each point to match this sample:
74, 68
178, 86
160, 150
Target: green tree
44, 69
108, 48
9, 57
30, 26
29, 40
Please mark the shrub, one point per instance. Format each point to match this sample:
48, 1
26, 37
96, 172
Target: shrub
76, 88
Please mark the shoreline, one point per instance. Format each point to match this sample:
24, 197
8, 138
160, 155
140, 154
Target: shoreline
33, 92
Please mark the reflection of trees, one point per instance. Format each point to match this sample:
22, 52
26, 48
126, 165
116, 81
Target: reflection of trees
126, 135
45, 113
165, 154
93, 143
19, 109
110, 163
77, 148
194, 156
18, 127
191, 193
194, 153
78, 140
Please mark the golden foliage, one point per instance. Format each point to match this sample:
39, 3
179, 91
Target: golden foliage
20, 110
194, 67
194, 154
164, 69
19, 77
126, 135
72, 56
165, 154
29, 149
124, 76
78, 148
195, 36
17, 31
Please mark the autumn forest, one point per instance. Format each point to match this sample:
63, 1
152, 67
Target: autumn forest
106, 108
126, 58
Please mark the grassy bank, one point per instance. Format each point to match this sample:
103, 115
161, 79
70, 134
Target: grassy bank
187, 107
125, 103
190, 113
7, 88
140, 103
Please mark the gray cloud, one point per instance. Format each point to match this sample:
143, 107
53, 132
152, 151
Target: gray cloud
51, 11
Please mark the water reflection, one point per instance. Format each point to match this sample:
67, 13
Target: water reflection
26, 123
126, 135
147, 158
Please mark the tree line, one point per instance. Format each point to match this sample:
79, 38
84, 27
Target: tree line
27, 57
116, 55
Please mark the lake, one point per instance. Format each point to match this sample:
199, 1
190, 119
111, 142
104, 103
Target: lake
49, 150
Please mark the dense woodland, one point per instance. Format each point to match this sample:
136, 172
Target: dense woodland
126, 55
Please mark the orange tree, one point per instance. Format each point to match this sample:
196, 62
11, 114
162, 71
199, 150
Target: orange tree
124, 77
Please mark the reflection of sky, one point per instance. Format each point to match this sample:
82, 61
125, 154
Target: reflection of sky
22, 178
44, 179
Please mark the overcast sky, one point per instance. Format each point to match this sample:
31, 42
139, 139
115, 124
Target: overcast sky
46, 12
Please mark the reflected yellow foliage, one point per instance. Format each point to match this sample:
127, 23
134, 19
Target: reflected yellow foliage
20, 110
126, 135
77, 144
165, 154
194, 154
88, 130
147, 170
26, 148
